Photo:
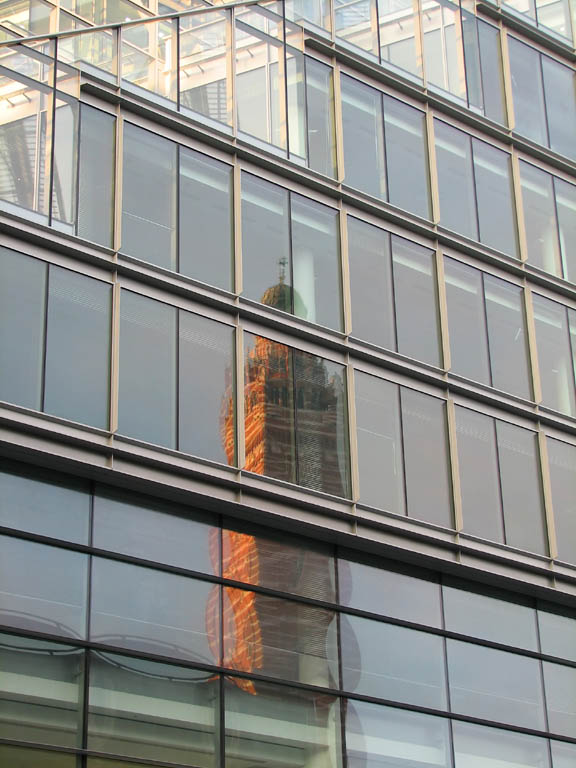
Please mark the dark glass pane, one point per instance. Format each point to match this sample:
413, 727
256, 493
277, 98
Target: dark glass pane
557, 631
495, 685
321, 424
149, 197
147, 387
379, 438
566, 209
560, 96
467, 322
320, 117
407, 157
22, 308
455, 180
562, 458
540, 218
372, 297
416, 301
316, 262
276, 726
363, 131
154, 612
491, 68
153, 711
495, 198
78, 347
43, 588
17, 757
40, 691
206, 411
428, 485
554, 355
379, 736
560, 684
279, 638
393, 663
96, 178
475, 744
44, 502
154, 530
479, 481
269, 408
205, 215
521, 488
527, 90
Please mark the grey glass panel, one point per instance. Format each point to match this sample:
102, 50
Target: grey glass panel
379, 736
322, 446
455, 180
557, 631
416, 301
507, 337
392, 663
379, 438
527, 90
279, 638
467, 321
205, 215
384, 589
493, 748
40, 691
316, 262
479, 481
147, 387
266, 243
154, 530
406, 157
320, 117
491, 68
428, 486
495, 198
562, 462
151, 710
206, 388
96, 178
154, 612
521, 488
43, 588
540, 218
270, 439
22, 307
560, 96
566, 209
563, 754
363, 131
18, 757
560, 685
371, 284
65, 150
495, 685
149, 197
277, 726
78, 347
489, 617
44, 502
554, 355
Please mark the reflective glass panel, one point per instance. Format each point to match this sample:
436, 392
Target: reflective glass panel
560, 96
528, 92
491, 69
495, 198
562, 463
455, 180
557, 631
560, 684
96, 178
493, 748
540, 218
320, 117
563, 754
17, 757
554, 355
566, 209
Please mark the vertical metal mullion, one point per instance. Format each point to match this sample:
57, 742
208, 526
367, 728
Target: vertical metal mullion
486, 326
385, 146
76, 216
292, 354
518, 206
375, 18
87, 651
118, 183
237, 278
114, 382
561, 256
231, 70
546, 121
291, 253
345, 271
342, 701
177, 381
393, 290
176, 55
499, 468
474, 189
352, 433
547, 495
532, 343
443, 309
45, 338
432, 167
239, 386
454, 464
507, 78
399, 389
221, 695
177, 216
444, 641
338, 121
52, 133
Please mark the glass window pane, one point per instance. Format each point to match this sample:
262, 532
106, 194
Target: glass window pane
527, 90
563, 754
562, 463
147, 387
277, 726
40, 691
320, 117
381, 736
154, 530
78, 347
316, 262
96, 178
540, 218
495, 685
428, 484
22, 308
491, 68
455, 180
205, 215
394, 663
406, 157
154, 612
557, 631
566, 209
151, 710
44, 502
521, 488
371, 284
493, 748
554, 355
17, 757
206, 410
65, 154
43, 588
149, 197
560, 95
379, 438
495, 198
560, 684
416, 301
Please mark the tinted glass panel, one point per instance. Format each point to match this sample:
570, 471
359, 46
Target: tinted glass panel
527, 91
495, 198
491, 68
455, 180
557, 631
320, 117
540, 218
96, 178
16, 757
560, 683
554, 355
560, 90
566, 208
562, 463
491, 748
563, 754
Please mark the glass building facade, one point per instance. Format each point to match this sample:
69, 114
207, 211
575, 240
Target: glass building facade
288, 384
